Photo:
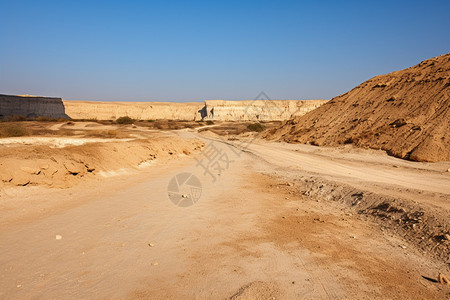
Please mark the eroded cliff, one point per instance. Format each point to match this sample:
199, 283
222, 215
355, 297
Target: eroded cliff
31, 106
265, 110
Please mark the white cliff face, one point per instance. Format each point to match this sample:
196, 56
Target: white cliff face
248, 110
259, 110
135, 110
31, 106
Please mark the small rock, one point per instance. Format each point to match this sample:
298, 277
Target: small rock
448, 170
353, 237
395, 166
284, 217
58, 237
31, 170
155, 263
151, 245
444, 279
402, 246
19, 285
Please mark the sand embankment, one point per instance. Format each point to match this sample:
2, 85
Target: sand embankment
405, 113
65, 161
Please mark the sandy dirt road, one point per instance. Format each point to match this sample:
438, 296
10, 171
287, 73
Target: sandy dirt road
250, 236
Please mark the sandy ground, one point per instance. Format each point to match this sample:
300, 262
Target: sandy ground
268, 227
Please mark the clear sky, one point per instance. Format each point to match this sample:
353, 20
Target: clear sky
197, 50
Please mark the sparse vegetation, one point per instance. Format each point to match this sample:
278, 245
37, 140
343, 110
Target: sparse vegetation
45, 119
13, 130
105, 134
124, 120
258, 127
16, 118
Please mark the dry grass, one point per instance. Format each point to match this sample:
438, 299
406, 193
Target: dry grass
13, 130
168, 124
236, 128
111, 134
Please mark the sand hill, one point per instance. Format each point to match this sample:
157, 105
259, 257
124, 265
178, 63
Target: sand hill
405, 113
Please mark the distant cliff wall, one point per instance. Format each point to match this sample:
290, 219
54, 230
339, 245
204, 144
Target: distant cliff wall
259, 110
135, 110
31, 106
263, 110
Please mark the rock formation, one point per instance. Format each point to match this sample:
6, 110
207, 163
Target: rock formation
31, 106
259, 110
265, 110
136, 110
253, 110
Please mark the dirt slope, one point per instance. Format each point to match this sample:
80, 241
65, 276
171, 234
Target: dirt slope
62, 167
405, 113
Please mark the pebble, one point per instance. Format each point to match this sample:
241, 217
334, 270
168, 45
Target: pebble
151, 245
402, 246
19, 285
155, 263
58, 237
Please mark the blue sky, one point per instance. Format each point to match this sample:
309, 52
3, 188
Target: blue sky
197, 50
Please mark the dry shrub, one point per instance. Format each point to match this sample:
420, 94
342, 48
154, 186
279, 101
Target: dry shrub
124, 120
65, 132
255, 127
16, 118
13, 130
45, 119
105, 134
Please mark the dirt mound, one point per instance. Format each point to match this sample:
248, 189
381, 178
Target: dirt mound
42, 164
405, 113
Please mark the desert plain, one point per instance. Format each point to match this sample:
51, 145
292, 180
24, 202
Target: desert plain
347, 200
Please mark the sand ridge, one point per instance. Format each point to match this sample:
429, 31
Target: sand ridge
405, 113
